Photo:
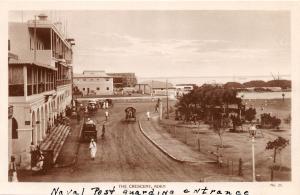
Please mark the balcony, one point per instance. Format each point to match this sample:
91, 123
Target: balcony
44, 57
63, 82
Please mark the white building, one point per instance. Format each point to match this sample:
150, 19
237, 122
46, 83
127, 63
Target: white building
160, 88
183, 88
94, 83
39, 82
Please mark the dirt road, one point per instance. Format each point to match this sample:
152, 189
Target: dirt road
125, 155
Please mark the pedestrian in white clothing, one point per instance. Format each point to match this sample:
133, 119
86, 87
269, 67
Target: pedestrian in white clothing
148, 115
93, 149
106, 115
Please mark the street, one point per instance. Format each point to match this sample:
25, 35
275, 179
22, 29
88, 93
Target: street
123, 155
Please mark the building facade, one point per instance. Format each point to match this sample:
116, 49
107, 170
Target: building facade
183, 89
94, 83
39, 82
122, 80
159, 88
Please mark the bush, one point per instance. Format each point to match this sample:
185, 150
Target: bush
269, 121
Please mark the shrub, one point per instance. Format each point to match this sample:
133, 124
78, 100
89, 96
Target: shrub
269, 121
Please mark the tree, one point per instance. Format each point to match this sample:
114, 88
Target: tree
250, 114
284, 84
219, 126
255, 83
277, 146
233, 85
269, 121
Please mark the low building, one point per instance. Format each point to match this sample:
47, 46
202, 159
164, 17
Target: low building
94, 83
143, 88
160, 88
183, 89
122, 80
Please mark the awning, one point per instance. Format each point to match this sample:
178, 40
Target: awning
25, 62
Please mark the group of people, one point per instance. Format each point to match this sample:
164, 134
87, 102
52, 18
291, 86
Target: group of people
104, 104
12, 170
37, 158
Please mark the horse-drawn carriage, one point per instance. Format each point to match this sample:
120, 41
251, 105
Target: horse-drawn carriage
130, 114
88, 131
92, 107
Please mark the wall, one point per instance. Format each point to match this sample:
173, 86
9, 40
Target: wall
100, 83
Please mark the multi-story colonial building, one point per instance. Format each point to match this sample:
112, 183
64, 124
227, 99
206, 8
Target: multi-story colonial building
39, 81
94, 83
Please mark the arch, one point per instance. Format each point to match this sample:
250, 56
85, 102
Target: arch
14, 128
33, 126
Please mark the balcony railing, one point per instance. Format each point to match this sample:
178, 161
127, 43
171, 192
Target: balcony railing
32, 88
63, 82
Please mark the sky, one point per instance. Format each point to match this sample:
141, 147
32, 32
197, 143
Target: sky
177, 43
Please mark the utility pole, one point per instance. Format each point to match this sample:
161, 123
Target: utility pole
167, 100
253, 160
151, 88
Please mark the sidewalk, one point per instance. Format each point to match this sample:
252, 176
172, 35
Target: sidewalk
69, 151
169, 145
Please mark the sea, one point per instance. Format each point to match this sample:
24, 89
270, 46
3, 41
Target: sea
211, 79
224, 79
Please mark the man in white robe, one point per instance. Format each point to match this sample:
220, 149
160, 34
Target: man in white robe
93, 149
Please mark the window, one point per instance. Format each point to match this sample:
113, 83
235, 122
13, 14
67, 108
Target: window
107, 88
98, 88
91, 79
83, 89
107, 79
84, 79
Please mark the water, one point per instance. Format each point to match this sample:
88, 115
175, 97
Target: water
210, 80
264, 95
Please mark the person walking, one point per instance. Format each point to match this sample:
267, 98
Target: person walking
78, 117
106, 115
103, 130
12, 171
93, 149
148, 115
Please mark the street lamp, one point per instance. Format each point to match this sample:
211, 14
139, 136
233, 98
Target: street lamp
252, 133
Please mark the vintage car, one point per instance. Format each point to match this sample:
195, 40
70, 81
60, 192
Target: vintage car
88, 131
130, 114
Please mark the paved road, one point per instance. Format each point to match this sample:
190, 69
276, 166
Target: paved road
125, 155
